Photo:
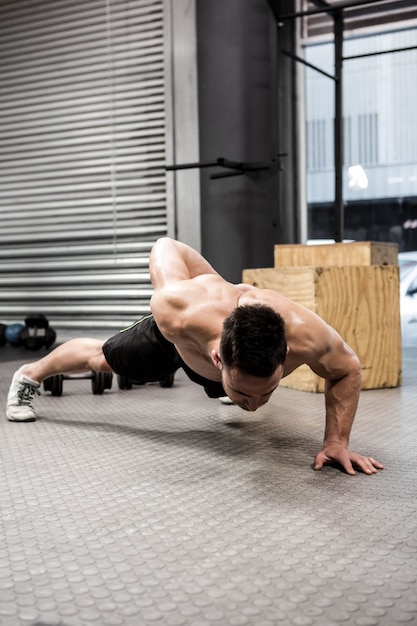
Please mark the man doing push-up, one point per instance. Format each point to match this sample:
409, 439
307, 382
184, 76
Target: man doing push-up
235, 340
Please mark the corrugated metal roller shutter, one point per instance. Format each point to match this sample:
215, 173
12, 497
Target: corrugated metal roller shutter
82, 156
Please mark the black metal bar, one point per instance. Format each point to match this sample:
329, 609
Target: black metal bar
338, 128
243, 166
331, 9
240, 167
374, 54
185, 166
304, 62
234, 165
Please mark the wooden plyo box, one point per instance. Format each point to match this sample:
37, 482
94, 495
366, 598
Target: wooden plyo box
360, 302
336, 254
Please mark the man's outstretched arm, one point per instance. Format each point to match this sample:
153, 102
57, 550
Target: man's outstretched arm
339, 420
172, 261
341, 399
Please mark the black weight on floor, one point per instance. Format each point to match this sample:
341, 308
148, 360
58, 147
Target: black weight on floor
97, 383
37, 333
3, 339
168, 381
56, 384
101, 381
108, 380
124, 382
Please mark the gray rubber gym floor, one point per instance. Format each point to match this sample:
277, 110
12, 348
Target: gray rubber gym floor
162, 507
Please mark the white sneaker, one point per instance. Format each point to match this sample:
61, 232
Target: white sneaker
20, 398
226, 400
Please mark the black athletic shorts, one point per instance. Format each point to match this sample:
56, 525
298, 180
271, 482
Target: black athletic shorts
142, 354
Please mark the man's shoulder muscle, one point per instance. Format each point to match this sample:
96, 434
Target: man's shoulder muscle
180, 305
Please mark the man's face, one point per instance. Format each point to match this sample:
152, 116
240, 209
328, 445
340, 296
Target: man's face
249, 392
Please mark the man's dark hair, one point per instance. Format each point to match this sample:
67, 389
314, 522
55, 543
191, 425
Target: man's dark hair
253, 340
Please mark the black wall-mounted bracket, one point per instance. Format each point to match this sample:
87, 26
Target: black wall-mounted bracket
237, 168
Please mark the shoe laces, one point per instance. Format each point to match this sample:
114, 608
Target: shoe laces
26, 392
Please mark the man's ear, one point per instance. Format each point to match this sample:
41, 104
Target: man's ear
215, 357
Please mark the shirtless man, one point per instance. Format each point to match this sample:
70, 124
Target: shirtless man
235, 340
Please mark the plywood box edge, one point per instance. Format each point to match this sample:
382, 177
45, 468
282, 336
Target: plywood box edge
336, 254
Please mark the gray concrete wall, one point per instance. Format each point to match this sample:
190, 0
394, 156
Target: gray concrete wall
241, 219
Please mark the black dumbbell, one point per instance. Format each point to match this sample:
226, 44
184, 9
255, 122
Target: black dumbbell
99, 382
37, 333
3, 339
124, 382
168, 381
54, 384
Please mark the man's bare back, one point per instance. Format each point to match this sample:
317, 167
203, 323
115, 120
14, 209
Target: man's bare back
190, 314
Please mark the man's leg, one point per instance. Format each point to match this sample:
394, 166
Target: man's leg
76, 355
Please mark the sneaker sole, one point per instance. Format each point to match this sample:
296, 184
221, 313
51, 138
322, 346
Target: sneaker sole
28, 419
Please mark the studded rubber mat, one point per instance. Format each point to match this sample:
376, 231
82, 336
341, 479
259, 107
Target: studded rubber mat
161, 507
